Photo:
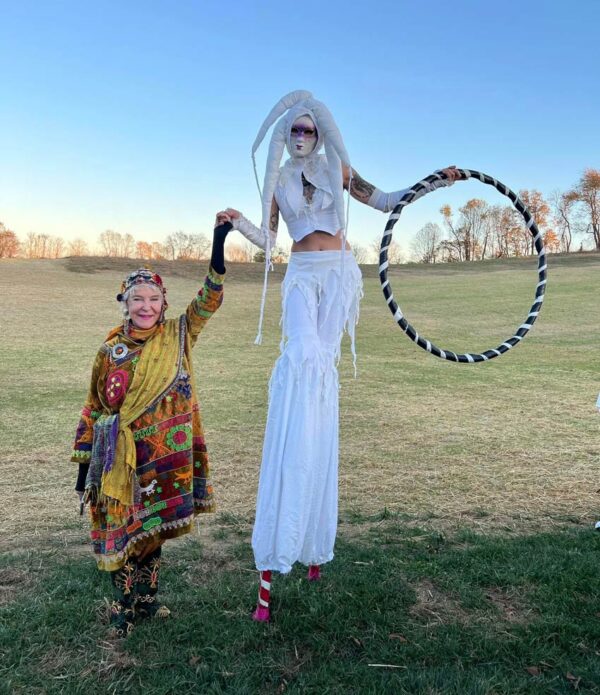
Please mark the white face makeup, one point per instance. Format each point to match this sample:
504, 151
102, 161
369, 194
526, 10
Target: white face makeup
303, 137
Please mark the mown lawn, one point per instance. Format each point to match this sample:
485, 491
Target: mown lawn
467, 495
400, 610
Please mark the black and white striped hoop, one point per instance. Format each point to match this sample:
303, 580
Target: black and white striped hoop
425, 186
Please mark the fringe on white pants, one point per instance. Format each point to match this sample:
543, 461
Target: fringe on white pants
297, 503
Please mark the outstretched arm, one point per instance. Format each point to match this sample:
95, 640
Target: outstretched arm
367, 193
250, 231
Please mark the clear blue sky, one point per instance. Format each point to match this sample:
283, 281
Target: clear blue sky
139, 116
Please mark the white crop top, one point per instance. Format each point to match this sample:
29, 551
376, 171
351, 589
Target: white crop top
301, 216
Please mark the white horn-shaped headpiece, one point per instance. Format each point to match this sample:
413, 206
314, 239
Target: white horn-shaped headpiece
279, 109
329, 134
275, 149
335, 151
295, 104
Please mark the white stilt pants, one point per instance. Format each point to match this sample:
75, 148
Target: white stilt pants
296, 509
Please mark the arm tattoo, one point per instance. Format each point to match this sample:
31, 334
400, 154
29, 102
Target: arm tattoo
360, 189
274, 218
307, 189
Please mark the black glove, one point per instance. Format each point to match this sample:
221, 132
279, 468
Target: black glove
217, 258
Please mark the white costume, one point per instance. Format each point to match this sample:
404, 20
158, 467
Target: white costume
296, 512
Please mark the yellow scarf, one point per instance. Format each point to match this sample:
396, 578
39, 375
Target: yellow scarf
155, 373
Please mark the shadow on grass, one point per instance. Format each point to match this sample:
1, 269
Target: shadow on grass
406, 611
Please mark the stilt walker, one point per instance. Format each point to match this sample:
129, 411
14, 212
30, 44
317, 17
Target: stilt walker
296, 509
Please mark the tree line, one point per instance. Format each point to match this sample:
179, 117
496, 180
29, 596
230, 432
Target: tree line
177, 246
478, 230
475, 231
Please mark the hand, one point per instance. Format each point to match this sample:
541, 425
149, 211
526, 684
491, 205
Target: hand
221, 218
452, 174
228, 215
80, 494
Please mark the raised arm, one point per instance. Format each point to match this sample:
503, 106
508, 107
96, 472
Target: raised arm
210, 295
251, 231
367, 193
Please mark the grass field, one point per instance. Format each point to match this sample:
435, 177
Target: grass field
467, 494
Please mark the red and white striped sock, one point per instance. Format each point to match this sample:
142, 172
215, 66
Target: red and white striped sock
261, 614
314, 573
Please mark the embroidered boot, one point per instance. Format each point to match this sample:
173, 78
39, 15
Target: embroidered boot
147, 605
262, 614
122, 609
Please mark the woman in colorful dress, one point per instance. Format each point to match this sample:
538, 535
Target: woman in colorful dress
143, 465
296, 509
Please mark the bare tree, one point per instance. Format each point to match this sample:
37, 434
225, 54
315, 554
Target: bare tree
564, 209
587, 194
179, 246
453, 247
361, 254
110, 242
126, 246
200, 246
159, 251
242, 253
78, 247
36, 245
426, 243
56, 247
394, 253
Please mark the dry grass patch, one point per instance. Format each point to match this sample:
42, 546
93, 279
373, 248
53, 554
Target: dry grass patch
510, 606
13, 581
435, 607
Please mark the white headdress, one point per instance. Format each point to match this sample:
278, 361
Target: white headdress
287, 110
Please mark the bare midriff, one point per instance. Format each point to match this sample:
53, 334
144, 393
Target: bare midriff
320, 241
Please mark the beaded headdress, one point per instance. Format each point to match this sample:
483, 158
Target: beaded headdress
143, 276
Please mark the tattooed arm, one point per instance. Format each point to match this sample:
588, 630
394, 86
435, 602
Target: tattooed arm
360, 189
369, 194
274, 221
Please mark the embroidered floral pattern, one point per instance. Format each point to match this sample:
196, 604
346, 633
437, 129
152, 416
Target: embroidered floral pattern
116, 387
180, 437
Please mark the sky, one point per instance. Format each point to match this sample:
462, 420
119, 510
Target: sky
139, 116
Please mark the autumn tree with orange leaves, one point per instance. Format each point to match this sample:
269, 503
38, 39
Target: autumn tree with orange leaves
539, 210
9, 243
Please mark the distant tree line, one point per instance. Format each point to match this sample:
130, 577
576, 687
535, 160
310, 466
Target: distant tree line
478, 230
475, 231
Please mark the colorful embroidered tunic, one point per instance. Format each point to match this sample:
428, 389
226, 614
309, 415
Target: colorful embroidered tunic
171, 482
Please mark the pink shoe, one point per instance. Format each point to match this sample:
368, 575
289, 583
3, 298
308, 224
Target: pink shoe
261, 614
314, 573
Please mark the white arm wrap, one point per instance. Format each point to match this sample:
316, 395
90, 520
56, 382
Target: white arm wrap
388, 201
253, 233
385, 201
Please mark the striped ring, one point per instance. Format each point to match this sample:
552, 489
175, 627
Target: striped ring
420, 189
